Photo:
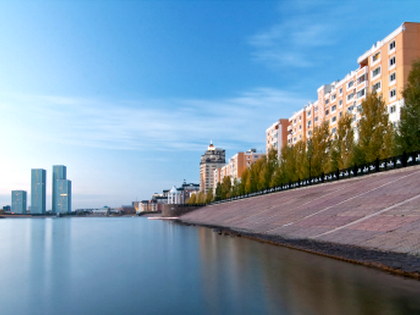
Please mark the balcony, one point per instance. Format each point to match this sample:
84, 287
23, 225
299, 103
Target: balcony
361, 86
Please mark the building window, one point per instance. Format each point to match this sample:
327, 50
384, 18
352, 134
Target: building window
392, 77
309, 123
361, 79
393, 93
376, 72
375, 57
361, 93
340, 103
392, 61
341, 91
376, 86
327, 112
334, 130
333, 108
392, 109
350, 96
333, 97
326, 102
333, 119
350, 84
309, 113
392, 45
316, 119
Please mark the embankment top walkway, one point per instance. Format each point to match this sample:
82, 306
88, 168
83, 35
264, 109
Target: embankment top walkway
379, 211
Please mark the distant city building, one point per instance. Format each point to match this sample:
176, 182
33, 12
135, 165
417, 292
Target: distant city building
276, 136
236, 166
19, 201
174, 196
59, 173
38, 191
212, 159
187, 190
61, 190
63, 198
127, 209
153, 205
136, 205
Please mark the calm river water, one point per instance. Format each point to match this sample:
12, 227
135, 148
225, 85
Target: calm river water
137, 266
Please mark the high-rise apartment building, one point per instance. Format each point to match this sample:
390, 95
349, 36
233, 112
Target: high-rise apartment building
211, 159
19, 201
276, 136
38, 191
61, 190
63, 198
383, 69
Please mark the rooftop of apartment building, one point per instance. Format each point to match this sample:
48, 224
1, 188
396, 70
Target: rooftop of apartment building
362, 61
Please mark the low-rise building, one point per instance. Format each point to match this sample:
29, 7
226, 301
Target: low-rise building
182, 194
236, 166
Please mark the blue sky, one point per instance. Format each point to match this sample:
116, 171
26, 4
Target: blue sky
128, 94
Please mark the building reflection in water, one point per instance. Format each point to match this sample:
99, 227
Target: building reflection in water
138, 266
242, 275
49, 263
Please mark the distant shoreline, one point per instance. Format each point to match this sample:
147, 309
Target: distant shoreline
28, 216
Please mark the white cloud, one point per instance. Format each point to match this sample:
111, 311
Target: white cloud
292, 42
177, 124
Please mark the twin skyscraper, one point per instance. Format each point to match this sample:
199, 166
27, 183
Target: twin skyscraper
61, 190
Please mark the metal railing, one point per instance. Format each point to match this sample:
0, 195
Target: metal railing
400, 161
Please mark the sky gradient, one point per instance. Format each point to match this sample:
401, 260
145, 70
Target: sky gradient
128, 94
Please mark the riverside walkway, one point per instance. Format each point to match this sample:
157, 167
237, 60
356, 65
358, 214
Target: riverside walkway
379, 212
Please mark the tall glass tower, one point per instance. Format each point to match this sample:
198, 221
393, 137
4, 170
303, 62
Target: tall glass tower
59, 173
38, 191
19, 201
63, 196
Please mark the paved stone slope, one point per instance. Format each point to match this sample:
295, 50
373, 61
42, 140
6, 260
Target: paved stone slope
378, 212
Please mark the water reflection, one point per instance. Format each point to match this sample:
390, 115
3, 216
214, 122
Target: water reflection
49, 264
136, 266
237, 272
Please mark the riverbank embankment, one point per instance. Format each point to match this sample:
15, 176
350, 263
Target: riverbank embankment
372, 220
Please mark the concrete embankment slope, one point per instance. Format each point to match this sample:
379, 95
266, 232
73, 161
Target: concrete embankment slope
379, 213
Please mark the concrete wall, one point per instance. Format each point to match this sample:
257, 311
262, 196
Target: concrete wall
379, 212
177, 210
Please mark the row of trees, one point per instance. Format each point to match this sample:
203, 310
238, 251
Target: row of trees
325, 152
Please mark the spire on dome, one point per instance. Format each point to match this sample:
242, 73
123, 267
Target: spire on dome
211, 146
